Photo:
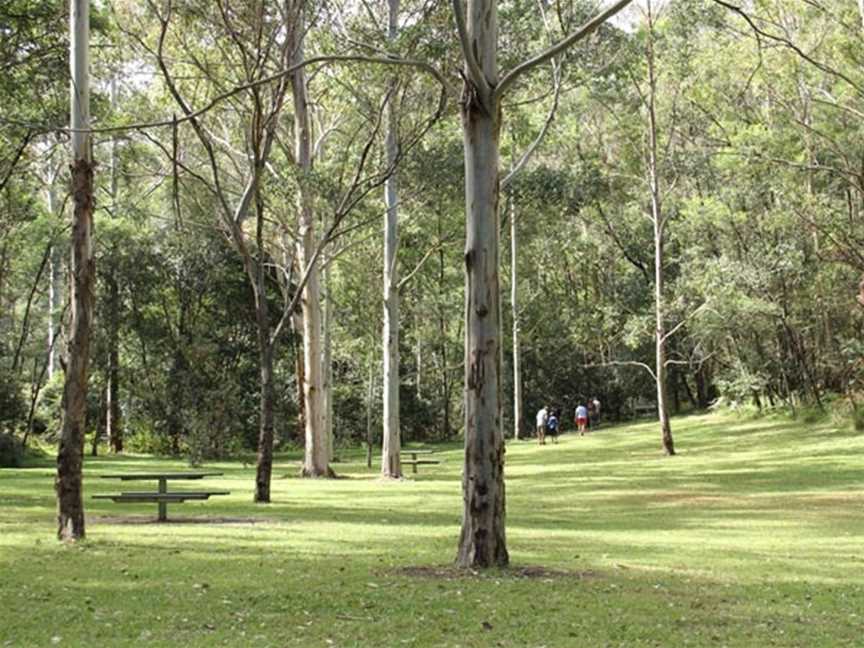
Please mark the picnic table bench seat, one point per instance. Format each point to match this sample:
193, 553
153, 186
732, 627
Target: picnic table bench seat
177, 496
416, 460
162, 496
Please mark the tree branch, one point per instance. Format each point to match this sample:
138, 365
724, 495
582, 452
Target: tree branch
585, 30
621, 363
474, 71
556, 75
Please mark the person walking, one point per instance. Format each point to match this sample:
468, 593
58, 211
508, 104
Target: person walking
552, 425
581, 418
542, 418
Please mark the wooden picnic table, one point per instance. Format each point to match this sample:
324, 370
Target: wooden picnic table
162, 495
415, 461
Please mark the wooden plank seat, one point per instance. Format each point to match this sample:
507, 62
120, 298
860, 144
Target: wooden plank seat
417, 460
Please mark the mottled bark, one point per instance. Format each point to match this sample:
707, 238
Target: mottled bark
68, 482
482, 542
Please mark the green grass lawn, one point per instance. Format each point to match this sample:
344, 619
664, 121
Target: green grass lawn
752, 536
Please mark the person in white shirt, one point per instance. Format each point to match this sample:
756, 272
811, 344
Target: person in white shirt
542, 417
581, 418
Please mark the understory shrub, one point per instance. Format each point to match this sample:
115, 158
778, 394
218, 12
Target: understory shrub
11, 451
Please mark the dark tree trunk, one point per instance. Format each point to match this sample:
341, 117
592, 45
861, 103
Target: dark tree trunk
264, 464
68, 483
176, 397
689, 393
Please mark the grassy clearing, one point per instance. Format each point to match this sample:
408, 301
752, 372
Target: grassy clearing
751, 536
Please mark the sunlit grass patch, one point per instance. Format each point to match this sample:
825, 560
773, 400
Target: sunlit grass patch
752, 535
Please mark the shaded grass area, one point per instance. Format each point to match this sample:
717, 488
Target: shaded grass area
751, 536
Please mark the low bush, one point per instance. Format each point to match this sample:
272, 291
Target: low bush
11, 451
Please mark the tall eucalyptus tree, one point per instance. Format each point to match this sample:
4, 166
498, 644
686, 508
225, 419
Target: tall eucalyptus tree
68, 483
482, 541
391, 466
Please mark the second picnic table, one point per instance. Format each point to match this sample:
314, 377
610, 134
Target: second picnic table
414, 461
161, 496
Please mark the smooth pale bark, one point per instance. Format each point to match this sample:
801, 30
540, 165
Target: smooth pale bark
327, 365
315, 462
517, 324
391, 465
68, 482
54, 283
113, 424
299, 373
482, 541
659, 221
369, 394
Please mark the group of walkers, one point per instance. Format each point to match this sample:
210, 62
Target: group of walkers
586, 416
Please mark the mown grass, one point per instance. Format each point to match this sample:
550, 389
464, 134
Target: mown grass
752, 536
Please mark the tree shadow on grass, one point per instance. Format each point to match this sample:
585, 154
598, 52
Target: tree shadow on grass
149, 519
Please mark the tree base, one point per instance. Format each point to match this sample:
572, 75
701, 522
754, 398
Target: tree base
310, 474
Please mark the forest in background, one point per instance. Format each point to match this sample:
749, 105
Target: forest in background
757, 116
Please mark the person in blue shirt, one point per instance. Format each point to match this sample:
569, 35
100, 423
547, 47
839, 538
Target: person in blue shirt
552, 423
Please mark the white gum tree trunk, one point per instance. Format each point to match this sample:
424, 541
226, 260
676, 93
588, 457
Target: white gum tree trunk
517, 324
54, 281
315, 462
68, 482
327, 364
391, 466
482, 540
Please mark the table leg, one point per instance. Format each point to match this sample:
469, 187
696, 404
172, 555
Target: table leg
163, 506
414, 465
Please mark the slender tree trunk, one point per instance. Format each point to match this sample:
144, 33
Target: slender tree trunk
267, 398
113, 423
370, 442
300, 374
442, 339
315, 462
659, 222
176, 392
517, 324
267, 395
482, 541
102, 423
327, 365
68, 483
54, 281
391, 466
